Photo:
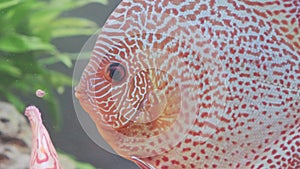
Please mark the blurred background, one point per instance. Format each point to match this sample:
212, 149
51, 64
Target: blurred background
39, 43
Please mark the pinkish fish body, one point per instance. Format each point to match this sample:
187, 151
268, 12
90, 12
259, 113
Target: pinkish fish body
198, 84
43, 154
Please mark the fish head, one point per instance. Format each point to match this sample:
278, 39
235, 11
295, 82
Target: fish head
124, 83
137, 86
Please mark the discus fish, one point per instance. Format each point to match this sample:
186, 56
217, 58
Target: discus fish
43, 153
198, 84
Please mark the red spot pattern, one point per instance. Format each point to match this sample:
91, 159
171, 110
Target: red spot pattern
258, 44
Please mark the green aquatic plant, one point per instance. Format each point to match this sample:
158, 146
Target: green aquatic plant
27, 30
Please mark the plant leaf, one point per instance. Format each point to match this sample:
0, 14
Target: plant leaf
59, 79
27, 28
73, 27
10, 69
21, 43
8, 3
71, 4
65, 59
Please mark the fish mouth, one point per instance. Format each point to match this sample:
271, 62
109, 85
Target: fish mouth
80, 93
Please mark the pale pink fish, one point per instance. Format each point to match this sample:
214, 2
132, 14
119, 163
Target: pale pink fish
198, 84
43, 153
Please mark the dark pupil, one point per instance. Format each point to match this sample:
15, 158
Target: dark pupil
116, 71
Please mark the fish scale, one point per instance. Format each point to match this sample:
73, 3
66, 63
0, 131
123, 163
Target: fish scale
236, 78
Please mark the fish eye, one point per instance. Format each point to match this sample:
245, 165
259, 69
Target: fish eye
115, 72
